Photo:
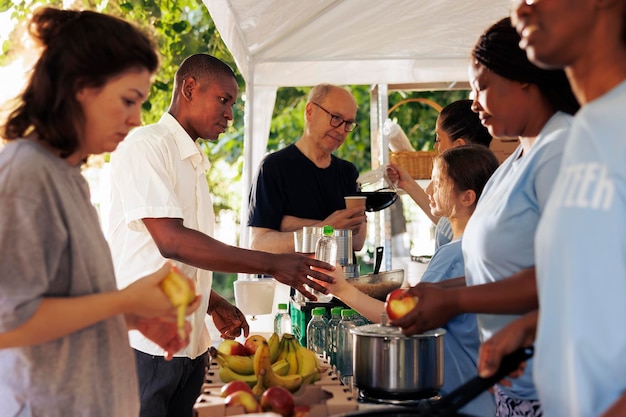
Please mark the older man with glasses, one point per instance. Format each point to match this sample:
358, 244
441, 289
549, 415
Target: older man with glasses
304, 184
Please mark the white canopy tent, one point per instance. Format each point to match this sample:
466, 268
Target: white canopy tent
424, 44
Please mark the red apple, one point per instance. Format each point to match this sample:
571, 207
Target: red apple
399, 303
252, 342
234, 386
244, 399
279, 400
232, 347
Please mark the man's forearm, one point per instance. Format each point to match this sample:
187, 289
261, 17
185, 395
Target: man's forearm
272, 241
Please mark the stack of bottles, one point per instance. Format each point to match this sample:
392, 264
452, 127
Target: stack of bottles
333, 338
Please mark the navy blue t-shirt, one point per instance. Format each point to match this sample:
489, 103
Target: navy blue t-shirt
290, 184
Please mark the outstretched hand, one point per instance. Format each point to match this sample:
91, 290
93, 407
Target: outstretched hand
399, 176
294, 269
340, 284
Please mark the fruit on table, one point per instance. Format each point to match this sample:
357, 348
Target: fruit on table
308, 365
244, 399
252, 342
232, 347
302, 361
399, 303
267, 378
234, 386
274, 342
227, 374
291, 364
180, 292
278, 400
240, 364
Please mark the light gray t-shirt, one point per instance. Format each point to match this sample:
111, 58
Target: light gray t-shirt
51, 245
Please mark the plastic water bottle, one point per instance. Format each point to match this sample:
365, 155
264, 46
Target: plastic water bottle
331, 335
326, 250
358, 319
344, 346
316, 331
282, 320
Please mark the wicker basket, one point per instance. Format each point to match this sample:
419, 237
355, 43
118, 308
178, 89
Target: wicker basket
419, 164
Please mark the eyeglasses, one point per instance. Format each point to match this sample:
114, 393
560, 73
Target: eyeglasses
337, 121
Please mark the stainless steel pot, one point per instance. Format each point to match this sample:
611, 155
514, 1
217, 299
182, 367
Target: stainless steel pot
449, 404
386, 361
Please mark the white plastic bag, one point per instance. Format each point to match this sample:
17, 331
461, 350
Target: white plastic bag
398, 141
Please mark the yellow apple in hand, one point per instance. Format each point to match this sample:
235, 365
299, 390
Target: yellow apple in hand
399, 303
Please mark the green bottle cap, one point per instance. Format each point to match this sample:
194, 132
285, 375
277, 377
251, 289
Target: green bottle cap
336, 310
318, 311
328, 230
282, 306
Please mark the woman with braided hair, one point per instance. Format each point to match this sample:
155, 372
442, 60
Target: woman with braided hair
580, 342
513, 98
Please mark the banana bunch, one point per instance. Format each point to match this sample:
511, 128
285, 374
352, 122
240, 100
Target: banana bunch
302, 361
227, 374
281, 362
178, 290
267, 378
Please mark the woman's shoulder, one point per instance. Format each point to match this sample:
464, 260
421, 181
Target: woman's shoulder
25, 167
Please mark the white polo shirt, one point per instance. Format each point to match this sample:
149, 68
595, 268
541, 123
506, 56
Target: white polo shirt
159, 172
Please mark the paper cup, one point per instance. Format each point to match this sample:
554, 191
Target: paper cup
355, 201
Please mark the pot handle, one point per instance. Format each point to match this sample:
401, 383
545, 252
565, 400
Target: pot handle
451, 403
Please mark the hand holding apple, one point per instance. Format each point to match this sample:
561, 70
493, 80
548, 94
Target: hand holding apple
399, 303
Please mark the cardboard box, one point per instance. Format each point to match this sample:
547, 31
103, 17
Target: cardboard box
324, 400
326, 397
